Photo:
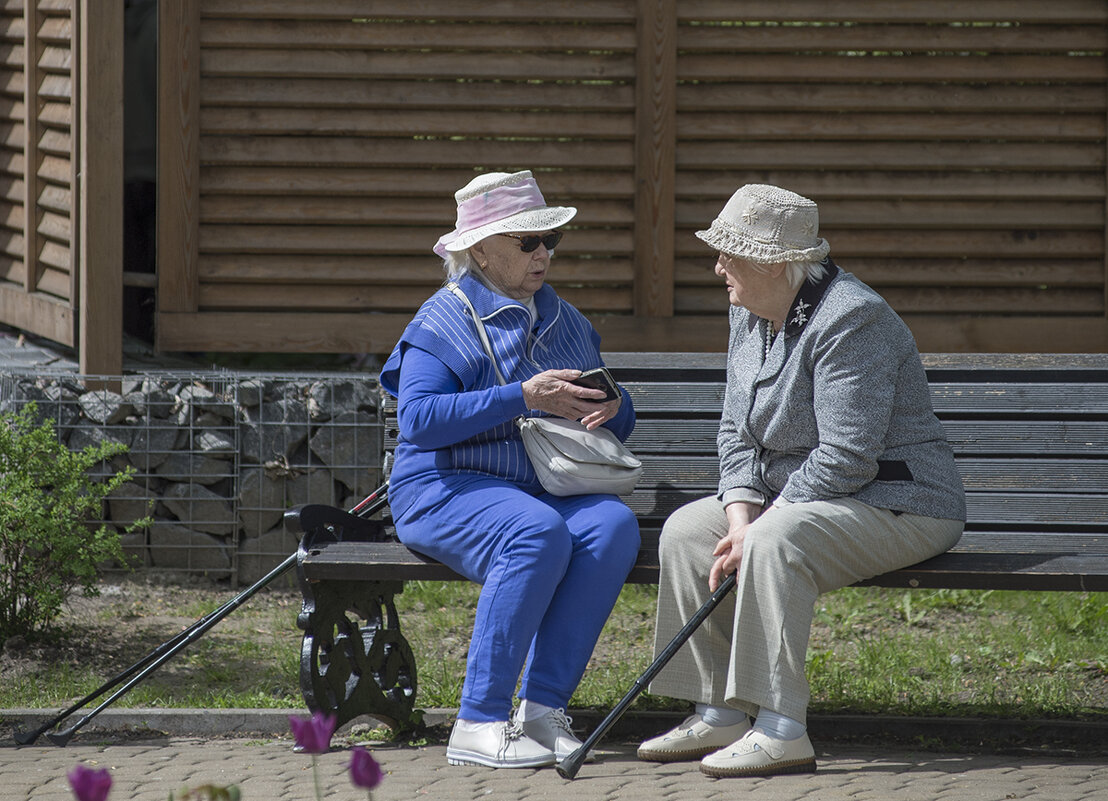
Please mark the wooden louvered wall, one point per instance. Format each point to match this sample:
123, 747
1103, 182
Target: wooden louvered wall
61, 174
330, 147
37, 275
310, 152
957, 151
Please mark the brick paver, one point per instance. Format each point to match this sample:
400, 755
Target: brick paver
268, 770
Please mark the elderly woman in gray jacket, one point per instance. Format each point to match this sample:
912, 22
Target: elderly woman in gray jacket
833, 469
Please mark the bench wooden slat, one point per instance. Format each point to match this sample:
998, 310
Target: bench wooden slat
372, 561
692, 435
999, 509
1092, 544
1047, 475
960, 568
1023, 400
1085, 439
977, 571
706, 366
1052, 400
1004, 509
979, 437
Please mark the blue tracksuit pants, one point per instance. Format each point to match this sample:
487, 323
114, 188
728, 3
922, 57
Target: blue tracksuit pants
550, 568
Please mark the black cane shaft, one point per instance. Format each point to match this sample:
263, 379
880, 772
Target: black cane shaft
153, 660
194, 633
569, 766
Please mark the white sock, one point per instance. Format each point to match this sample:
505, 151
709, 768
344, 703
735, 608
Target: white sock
778, 726
531, 710
720, 715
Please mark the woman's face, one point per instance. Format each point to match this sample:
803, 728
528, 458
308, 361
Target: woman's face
746, 285
515, 274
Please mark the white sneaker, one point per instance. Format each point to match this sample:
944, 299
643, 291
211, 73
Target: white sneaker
758, 754
553, 730
499, 744
692, 739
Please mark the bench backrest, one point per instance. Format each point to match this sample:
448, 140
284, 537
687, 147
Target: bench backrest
1029, 431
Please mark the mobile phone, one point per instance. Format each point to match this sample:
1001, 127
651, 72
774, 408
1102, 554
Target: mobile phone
599, 378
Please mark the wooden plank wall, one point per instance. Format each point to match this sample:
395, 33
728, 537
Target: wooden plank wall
38, 290
957, 151
330, 146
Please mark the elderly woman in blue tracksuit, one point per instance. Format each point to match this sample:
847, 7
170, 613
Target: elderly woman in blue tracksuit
833, 469
463, 491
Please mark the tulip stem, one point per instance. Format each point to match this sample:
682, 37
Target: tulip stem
315, 778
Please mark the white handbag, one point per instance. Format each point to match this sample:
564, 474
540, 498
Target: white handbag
568, 458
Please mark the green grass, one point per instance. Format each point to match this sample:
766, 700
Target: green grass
946, 653
1012, 654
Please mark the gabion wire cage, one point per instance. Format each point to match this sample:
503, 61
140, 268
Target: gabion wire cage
218, 457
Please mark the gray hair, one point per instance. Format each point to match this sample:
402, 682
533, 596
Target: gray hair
458, 263
796, 272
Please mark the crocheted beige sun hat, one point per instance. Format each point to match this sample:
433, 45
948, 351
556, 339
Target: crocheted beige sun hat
500, 203
767, 225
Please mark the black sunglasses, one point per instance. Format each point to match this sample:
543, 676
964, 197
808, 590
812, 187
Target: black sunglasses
530, 243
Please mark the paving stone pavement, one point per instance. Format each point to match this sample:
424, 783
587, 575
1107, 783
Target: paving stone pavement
267, 769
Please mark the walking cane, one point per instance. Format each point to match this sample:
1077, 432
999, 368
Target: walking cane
25, 738
568, 767
164, 652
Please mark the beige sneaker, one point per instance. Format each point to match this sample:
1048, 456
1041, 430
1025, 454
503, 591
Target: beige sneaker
499, 744
758, 754
553, 730
691, 740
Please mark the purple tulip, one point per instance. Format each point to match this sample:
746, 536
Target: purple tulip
313, 736
90, 784
364, 770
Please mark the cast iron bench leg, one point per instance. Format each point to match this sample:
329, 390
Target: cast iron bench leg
353, 660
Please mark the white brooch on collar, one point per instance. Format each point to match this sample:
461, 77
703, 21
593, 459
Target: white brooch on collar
799, 316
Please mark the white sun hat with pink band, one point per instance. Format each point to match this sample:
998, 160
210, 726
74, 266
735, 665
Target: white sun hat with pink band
500, 203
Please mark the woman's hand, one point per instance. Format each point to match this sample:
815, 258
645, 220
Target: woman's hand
551, 392
606, 412
729, 550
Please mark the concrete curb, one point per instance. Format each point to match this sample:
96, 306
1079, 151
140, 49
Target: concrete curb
993, 735
159, 722
929, 733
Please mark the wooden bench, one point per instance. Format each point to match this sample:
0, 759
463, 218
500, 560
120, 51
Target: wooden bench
1030, 433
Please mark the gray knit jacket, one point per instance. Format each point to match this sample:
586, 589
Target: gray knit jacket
840, 408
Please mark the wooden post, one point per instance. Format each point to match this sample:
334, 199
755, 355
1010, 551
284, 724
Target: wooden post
32, 21
178, 158
655, 157
100, 205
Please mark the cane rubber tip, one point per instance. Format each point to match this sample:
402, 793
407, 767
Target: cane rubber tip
569, 766
25, 737
60, 738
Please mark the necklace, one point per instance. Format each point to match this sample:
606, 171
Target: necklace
770, 336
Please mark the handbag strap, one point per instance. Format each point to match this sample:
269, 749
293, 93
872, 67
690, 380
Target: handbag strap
481, 333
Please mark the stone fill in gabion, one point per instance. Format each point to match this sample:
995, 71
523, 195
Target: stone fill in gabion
218, 457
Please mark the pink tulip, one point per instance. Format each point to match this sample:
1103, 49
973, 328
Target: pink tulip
313, 736
364, 770
90, 784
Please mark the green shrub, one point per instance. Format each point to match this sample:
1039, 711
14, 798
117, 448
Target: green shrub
48, 547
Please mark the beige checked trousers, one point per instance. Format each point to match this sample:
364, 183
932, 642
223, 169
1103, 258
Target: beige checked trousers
750, 652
